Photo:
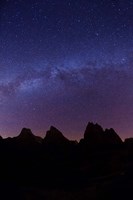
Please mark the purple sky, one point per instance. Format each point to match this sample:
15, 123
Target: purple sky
64, 63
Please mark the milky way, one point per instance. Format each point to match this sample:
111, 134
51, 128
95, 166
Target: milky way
64, 63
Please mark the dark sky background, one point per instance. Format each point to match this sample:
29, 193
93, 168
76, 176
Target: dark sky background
64, 63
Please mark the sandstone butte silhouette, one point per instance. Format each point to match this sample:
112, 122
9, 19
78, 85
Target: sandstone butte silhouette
57, 162
94, 135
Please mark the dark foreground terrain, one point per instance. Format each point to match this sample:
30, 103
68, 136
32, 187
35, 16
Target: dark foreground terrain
100, 166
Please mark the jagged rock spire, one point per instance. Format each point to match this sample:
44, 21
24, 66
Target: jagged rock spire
55, 136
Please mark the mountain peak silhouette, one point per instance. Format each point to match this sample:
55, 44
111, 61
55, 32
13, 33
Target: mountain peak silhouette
25, 133
26, 136
95, 135
112, 137
55, 136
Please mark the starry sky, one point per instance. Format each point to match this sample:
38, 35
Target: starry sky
64, 63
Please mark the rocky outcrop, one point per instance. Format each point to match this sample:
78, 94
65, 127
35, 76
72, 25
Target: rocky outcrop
27, 137
54, 136
95, 135
112, 137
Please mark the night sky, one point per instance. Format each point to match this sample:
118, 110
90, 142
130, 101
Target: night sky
64, 63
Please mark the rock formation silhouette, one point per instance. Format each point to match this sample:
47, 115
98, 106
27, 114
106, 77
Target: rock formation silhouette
112, 137
26, 136
55, 162
54, 136
95, 135
129, 141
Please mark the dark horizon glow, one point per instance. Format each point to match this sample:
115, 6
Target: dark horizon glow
64, 63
